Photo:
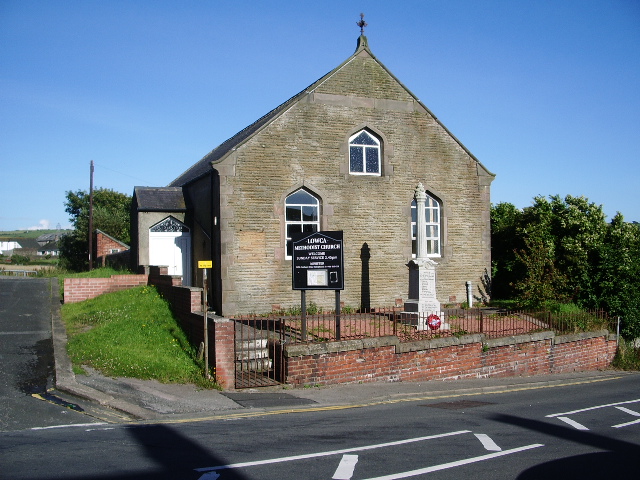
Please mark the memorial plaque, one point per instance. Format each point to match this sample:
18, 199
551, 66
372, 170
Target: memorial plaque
317, 261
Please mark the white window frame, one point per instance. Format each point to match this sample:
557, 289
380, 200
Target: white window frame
365, 148
304, 225
433, 215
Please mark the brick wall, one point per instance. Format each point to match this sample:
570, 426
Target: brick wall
370, 359
186, 305
470, 356
80, 289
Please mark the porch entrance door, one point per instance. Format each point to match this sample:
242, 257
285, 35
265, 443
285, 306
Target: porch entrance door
170, 245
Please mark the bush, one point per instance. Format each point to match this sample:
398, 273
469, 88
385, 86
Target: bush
628, 356
20, 259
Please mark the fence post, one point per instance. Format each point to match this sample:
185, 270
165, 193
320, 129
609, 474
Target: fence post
481, 322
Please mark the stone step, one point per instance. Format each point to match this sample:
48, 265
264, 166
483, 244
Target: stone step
252, 354
254, 365
251, 344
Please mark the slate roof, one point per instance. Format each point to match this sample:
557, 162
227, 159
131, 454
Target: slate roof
203, 167
27, 243
159, 199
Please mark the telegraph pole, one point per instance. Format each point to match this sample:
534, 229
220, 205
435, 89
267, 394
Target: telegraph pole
91, 216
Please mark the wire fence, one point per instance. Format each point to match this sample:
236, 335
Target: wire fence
408, 326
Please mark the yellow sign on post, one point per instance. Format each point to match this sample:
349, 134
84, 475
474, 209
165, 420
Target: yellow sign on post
205, 264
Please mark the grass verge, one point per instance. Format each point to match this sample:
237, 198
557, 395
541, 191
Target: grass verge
131, 333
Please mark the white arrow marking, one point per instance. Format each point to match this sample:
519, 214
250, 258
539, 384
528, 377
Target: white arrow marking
332, 452
487, 442
573, 423
346, 467
593, 408
444, 466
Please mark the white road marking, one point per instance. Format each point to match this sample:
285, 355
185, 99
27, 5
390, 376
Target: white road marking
487, 442
458, 463
573, 423
593, 408
346, 467
629, 411
70, 426
620, 425
333, 452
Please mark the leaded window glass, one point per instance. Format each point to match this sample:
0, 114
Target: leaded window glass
364, 154
432, 215
302, 214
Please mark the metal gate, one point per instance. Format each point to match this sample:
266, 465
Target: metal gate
259, 351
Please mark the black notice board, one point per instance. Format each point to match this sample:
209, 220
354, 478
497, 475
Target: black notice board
317, 261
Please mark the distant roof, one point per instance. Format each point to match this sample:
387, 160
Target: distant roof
49, 247
159, 199
28, 243
48, 237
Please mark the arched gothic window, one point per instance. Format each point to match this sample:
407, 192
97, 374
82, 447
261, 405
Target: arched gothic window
364, 154
432, 215
302, 215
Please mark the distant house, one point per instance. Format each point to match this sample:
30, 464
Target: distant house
108, 248
8, 246
28, 247
50, 248
49, 237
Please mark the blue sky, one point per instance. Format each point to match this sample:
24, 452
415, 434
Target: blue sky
546, 94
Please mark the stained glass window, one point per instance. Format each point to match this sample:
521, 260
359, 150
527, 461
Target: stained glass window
302, 214
432, 215
364, 154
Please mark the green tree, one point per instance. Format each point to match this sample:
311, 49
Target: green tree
506, 269
571, 231
111, 214
619, 274
542, 280
563, 250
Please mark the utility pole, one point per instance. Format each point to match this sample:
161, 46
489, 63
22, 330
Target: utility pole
91, 217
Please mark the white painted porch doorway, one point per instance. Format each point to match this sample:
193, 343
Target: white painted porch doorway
170, 245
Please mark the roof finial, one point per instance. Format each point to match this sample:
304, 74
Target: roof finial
361, 24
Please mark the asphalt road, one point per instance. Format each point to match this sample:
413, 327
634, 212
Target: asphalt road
585, 427
26, 356
586, 431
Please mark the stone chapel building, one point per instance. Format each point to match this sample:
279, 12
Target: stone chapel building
346, 153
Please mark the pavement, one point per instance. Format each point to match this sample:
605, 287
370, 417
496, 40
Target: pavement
132, 400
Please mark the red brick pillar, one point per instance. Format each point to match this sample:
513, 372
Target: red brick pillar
223, 351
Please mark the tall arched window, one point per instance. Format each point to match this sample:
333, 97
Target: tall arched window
432, 215
364, 154
302, 215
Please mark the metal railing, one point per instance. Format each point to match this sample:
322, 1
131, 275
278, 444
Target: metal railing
407, 326
18, 273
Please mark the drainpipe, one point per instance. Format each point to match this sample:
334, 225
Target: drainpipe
469, 294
